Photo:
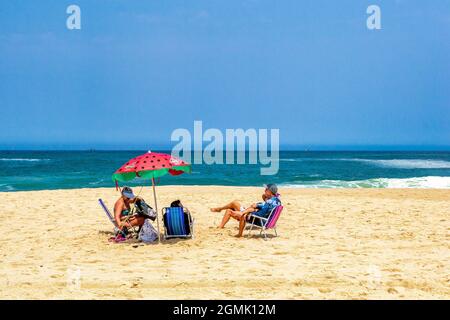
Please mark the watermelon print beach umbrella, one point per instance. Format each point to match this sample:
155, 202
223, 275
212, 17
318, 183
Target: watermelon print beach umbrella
151, 165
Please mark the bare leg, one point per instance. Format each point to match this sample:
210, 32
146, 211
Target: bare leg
243, 220
133, 222
242, 225
230, 214
233, 205
138, 221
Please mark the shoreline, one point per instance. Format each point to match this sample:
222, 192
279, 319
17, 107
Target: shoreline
332, 244
290, 187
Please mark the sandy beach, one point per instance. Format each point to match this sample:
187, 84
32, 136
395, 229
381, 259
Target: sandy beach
332, 244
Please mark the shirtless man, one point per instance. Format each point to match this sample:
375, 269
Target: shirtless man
122, 210
236, 211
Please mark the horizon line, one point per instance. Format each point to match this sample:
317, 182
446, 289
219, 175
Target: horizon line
379, 148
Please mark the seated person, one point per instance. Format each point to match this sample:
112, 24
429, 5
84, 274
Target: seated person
122, 210
236, 211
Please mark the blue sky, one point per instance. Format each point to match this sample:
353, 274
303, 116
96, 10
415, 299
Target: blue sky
137, 70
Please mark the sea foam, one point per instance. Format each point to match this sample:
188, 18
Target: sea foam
408, 163
22, 159
416, 182
387, 163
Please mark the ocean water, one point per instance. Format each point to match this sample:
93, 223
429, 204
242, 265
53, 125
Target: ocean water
38, 170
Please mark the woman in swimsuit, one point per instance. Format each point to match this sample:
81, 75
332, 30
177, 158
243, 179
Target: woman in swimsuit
122, 210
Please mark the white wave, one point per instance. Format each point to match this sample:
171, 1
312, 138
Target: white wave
22, 159
6, 187
407, 163
96, 182
388, 163
431, 182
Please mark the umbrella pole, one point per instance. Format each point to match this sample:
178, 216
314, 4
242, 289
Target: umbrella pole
156, 208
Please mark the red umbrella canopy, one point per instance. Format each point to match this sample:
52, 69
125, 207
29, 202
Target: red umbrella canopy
151, 165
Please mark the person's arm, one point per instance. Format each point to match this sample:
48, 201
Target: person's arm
249, 210
117, 213
260, 205
262, 209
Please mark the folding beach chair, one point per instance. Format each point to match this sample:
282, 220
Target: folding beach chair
111, 218
178, 223
266, 223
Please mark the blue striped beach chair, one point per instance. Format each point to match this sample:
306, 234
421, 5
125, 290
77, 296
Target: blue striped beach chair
178, 223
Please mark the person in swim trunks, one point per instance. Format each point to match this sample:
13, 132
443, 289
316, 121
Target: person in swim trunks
122, 210
238, 212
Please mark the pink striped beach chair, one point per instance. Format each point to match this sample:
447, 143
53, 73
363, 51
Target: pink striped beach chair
266, 223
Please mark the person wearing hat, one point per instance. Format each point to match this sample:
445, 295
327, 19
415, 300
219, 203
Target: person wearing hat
262, 209
122, 210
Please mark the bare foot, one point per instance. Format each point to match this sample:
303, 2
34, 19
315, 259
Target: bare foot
215, 209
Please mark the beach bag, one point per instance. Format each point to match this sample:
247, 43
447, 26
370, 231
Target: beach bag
145, 210
148, 232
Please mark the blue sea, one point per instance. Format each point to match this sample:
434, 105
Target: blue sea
39, 170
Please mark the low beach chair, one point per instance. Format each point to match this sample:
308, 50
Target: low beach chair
178, 223
266, 223
111, 218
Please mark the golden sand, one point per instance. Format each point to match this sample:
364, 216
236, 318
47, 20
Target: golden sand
340, 243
